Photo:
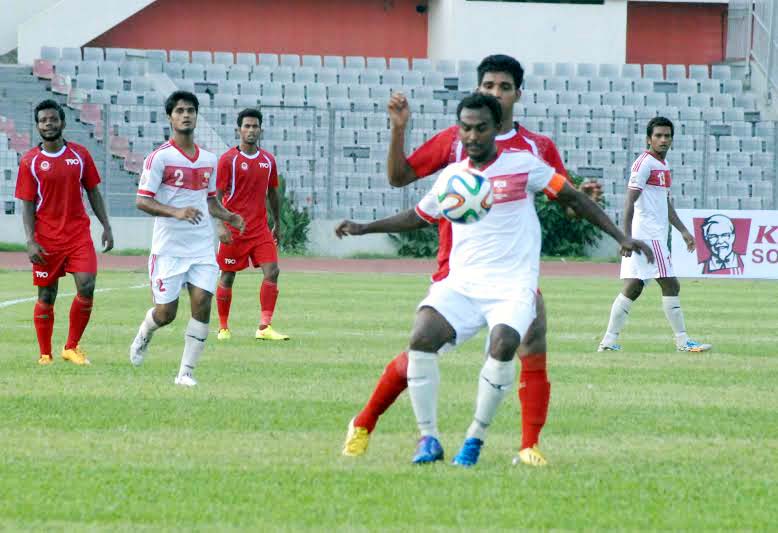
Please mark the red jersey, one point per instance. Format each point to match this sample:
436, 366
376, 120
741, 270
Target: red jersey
244, 180
445, 148
54, 182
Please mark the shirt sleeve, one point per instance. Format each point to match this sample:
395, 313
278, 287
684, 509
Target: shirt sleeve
223, 172
550, 155
151, 178
434, 154
212, 179
427, 208
26, 188
91, 177
639, 175
273, 182
542, 177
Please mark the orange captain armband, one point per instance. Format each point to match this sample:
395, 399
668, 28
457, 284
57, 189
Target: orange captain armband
556, 184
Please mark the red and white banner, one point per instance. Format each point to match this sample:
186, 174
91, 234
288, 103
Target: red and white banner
729, 244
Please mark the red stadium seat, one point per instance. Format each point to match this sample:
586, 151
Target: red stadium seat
133, 162
90, 113
19, 141
43, 68
119, 146
60, 84
76, 98
7, 125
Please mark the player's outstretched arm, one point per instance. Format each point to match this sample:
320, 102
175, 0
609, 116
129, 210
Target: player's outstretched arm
34, 250
98, 207
399, 171
154, 208
399, 223
688, 238
217, 210
223, 233
587, 209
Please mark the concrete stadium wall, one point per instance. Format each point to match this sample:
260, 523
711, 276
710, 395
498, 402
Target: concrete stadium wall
71, 23
14, 12
462, 29
339, 27
135, 232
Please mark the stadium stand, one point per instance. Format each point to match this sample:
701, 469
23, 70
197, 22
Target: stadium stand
325, 119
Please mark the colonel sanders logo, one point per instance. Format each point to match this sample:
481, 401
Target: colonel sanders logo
726, 241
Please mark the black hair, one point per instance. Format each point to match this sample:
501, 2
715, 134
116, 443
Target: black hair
186, 96
479, 101
49, 104
659, 121
501, 63
250, 112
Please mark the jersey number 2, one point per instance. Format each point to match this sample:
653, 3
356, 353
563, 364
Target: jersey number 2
179, 175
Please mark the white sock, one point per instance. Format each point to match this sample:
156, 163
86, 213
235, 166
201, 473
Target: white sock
674, 314
194, 344
423, 381
148, 326
619, 314
495, 381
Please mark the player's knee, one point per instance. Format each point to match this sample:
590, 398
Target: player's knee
163, 316
633, 289
86, 288
47, 295
671, 287
272, 272
504, 341
227, 279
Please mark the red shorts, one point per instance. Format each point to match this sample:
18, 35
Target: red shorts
235, 257
79, 258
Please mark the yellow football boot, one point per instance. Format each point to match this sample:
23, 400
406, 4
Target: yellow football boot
224, 335
531, 457
76, 355
357, 440
269, 334
45, 359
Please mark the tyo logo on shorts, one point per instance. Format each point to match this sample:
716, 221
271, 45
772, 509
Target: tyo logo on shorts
39, 274
230, 261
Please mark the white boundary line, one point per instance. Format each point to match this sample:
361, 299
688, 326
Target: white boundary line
9, 303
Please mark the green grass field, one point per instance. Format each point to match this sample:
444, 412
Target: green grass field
644, 439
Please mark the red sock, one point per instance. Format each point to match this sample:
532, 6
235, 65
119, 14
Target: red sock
268, 294
534, 395
80, 311
392, 382
43, 318
223, 303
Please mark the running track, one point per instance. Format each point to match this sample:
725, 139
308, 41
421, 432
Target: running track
19, 261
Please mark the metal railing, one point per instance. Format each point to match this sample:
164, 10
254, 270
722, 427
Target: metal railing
334, 161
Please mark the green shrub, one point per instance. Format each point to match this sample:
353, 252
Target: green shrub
295, 223
562, 235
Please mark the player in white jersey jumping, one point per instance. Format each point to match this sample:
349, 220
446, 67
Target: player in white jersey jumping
178, 187
493, 279
647, 212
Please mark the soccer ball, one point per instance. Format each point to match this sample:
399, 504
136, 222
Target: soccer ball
465, 195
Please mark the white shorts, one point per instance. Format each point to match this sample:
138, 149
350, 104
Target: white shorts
637, 266
467, 315
168, 275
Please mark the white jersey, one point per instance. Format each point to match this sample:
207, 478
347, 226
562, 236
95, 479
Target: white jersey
174, 179
653, 178
500, 254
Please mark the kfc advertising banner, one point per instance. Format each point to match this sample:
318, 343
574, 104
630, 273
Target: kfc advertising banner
729, 244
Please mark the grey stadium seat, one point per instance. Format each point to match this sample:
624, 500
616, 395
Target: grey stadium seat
423, 65
653, 71
698, 72
398, 63
312, 61
630, 71
223, 58
246, 58
270, 60
721, 72
174, 56
676, 72
378, 63
355, 62
202, 57
290, 60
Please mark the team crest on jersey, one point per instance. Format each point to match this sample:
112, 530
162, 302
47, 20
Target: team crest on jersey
244, 166
45, 165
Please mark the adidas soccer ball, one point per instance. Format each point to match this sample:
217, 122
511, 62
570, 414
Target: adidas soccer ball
465, 195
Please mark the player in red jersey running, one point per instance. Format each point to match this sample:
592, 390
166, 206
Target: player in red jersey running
247, 177
501, 76
51, 177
